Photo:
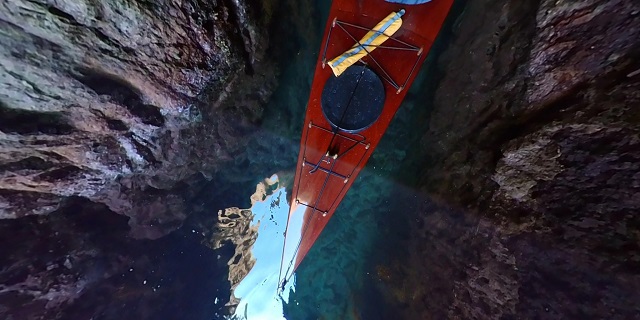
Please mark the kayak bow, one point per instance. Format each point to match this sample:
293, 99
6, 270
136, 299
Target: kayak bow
352, 103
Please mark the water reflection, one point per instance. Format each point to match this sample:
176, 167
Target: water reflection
258, 291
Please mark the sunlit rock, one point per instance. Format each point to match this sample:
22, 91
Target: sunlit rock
238, 227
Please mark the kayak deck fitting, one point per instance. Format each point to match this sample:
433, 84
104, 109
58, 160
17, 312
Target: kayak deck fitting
371, 52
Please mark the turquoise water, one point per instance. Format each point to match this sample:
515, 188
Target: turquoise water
331, 281
344, 274
332, 278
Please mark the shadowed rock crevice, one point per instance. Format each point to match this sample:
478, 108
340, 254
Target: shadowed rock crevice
30, 122
141, 147
29, 163
62, 15
240, 35
123, 93
115, 124
65, 172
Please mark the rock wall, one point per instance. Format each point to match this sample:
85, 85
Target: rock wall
118, 102
114, 118
531, 161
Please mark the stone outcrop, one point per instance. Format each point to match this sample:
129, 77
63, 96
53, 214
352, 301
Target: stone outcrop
236, 227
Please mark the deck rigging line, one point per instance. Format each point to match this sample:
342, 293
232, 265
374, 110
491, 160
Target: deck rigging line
386, 76
335, 158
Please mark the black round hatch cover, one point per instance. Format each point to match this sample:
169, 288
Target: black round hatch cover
354, 100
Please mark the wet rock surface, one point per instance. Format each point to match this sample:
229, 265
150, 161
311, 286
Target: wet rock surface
531, 165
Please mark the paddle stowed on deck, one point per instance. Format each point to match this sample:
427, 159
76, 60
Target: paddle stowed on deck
351, 105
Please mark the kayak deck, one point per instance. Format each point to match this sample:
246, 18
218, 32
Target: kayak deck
331, 159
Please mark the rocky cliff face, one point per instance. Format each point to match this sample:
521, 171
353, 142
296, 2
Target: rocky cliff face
117, 102
113, 117
533, 148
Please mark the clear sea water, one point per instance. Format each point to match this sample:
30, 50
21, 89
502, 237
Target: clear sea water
342, 276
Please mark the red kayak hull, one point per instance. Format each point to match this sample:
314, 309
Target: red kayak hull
317, 195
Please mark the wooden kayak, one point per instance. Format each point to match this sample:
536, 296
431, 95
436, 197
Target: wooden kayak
348, 114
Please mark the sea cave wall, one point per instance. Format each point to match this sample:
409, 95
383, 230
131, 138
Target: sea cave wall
529, 168
120, 102
118, 121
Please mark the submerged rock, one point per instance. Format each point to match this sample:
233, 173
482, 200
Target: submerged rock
80, 264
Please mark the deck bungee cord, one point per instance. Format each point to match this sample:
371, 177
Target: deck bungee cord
330, 154
380, 30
